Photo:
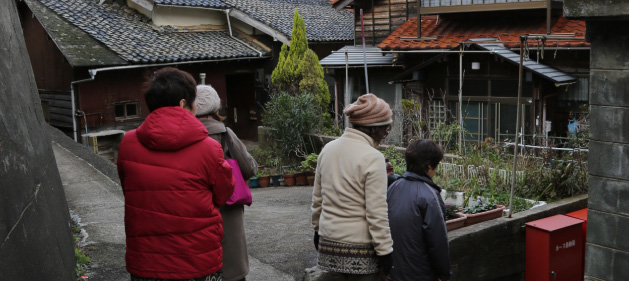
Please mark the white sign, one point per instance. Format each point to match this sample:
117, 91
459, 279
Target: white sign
565, 245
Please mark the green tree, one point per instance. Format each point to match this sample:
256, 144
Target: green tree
298, 71
313, 78
286, 76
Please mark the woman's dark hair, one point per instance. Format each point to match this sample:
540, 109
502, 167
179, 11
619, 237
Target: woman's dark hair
168, 86
421, 154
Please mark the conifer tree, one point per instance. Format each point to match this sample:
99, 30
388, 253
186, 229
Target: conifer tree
313, 79
298, 70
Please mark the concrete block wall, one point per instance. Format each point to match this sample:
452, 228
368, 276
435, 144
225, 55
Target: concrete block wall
607, 231
35, 238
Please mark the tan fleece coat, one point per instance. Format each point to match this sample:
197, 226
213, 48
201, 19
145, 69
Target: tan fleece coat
349, 196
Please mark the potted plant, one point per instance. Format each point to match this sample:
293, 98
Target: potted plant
253, 182
482, 212
289, 176
454, 219
276, 177
308, 165
263, 178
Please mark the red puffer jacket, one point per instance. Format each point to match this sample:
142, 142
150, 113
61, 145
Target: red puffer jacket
174, 179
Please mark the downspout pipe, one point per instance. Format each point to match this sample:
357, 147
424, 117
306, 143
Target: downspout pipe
227, 14
74, 108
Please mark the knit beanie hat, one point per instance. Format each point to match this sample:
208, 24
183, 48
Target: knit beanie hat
207, 100
369, 110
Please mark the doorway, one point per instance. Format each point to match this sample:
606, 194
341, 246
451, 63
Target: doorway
241, 100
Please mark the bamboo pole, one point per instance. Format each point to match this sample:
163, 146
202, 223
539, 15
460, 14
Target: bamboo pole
461, 83
367, 86
518, 124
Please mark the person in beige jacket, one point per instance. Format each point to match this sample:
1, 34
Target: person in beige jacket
349, 207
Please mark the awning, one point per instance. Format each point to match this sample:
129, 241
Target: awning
558, 77
374, 57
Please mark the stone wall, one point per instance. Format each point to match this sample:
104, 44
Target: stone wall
36, 241
607, 231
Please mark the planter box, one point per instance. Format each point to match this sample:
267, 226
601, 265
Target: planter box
484, 216
459, 222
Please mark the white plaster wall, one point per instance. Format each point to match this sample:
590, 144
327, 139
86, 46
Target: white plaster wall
180, 16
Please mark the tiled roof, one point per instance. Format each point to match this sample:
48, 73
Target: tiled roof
194, 3
79, 48
450, 32
132, 37
323, 22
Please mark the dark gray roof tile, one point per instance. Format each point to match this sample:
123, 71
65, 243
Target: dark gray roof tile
78, 47
133, 38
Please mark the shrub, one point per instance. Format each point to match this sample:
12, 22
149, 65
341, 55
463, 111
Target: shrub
290, 119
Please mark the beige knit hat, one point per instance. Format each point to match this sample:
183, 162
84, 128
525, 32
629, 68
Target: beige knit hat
207, 100
369, 110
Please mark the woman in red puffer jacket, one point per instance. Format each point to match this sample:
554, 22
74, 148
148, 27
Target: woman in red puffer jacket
174, 179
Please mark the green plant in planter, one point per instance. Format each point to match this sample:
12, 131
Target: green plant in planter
289, 171
480, 207
451, 212
263, 173
310, 163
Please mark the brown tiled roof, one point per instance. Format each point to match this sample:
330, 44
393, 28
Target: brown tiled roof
450, 32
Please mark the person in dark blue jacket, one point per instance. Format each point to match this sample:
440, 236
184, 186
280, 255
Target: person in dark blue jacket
417, 218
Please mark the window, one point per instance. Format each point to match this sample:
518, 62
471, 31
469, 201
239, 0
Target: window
437, 113
126, 110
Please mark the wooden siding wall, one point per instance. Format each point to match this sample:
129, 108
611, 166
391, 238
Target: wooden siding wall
52, 71
383, 19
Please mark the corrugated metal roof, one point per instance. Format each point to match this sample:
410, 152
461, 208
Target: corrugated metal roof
546, 71
373, 55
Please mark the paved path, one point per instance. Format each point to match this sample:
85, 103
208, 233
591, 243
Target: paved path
277, 224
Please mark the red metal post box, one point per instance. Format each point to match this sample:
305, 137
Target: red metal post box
553, 249
581, 215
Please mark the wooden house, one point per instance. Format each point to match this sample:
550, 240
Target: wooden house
92, 58
487, 36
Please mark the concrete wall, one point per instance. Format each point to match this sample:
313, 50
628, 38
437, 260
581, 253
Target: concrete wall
35, 237
607, 231
495, 250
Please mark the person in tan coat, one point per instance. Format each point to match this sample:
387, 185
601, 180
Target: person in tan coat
349, 209
235, 259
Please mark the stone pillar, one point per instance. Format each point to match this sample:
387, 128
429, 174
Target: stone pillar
35, 237
607, 231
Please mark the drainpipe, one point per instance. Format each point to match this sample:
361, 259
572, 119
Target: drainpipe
74, 109
227, 14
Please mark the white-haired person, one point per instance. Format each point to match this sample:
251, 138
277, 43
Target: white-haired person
349, 210
235, 260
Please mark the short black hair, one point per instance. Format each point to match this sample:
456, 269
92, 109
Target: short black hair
168, 86
420, 154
